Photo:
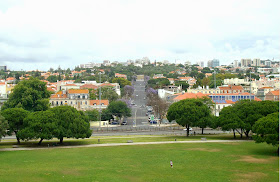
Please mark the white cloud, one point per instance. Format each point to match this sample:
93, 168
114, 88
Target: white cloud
67, 33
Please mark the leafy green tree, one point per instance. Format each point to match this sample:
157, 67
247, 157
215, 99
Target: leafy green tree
228, 120
250, 111
3, 127
123, 82
184, 84
15, 117
93, 115
205, 81
188, 112
119, 109
243, 115
267, 130
106, 115
52, 78
39, 125
31, 95
70, 123
206, 70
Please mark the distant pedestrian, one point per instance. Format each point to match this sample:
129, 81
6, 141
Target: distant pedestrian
171, 164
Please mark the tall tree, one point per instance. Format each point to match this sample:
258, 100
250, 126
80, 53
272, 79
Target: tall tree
119, 109
123, 82
187, 112
267, 130
39, 125
15, 117
70, 123
128, 91
31, 95
3, 127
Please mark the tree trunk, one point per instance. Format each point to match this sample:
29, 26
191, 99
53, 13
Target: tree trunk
17, 138
247, 134
234, 134
61, 140
40, 142
202, 129
188, 130
18, 141
241, 133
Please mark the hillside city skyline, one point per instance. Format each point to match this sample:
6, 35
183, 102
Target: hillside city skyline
93, 31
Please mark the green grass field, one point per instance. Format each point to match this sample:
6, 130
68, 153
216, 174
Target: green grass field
116, 139
243, 161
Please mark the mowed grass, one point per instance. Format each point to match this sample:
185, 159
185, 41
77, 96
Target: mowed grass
115, 139
242, 161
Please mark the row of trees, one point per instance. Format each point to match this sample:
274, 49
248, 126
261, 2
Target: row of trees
27, 114
260, 118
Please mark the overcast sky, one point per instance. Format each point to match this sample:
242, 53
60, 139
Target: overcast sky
37, 34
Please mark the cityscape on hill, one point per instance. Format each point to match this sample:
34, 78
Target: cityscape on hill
139, 90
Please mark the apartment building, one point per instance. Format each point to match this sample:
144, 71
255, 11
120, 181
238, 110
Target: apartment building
77, 98
272, 95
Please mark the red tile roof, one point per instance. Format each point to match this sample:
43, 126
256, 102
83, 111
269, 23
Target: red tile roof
89, 86
59, 94
107, 84
276, 92
97, 102
190, 96
232, 87
78, 91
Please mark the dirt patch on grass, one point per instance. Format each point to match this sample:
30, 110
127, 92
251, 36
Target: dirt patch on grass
131, 178
251, 159
251, 176
71, 172
205, 149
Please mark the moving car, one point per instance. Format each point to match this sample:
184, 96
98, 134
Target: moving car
153, 122
115, 123
124, 123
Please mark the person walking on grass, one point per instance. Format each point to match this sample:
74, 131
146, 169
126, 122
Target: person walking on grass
171, 164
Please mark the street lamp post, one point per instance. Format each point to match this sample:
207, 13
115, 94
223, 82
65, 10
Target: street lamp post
135, 117
250, 85
100, 100
215, 90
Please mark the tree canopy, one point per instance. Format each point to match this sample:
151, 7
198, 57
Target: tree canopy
15, 117
70, 123
119, 109
123, 82
244, 114
267, 129
39, 125
31, 95
188, 112
3, 127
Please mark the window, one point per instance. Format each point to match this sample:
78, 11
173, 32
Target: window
61, 103
85, 102
52, 103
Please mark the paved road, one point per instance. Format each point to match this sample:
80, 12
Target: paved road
122, 144
139, 110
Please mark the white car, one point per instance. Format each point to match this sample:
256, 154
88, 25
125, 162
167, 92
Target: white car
190, 129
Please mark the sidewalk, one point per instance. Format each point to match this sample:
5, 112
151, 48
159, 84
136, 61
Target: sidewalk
123, 144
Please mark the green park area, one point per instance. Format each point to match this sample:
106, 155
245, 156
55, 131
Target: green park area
226, 161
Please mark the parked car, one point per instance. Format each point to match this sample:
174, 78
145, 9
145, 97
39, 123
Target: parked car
153, 122
115, 123
187, 129
124, 123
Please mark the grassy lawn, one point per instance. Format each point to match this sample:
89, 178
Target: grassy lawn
116, 139
243, 161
